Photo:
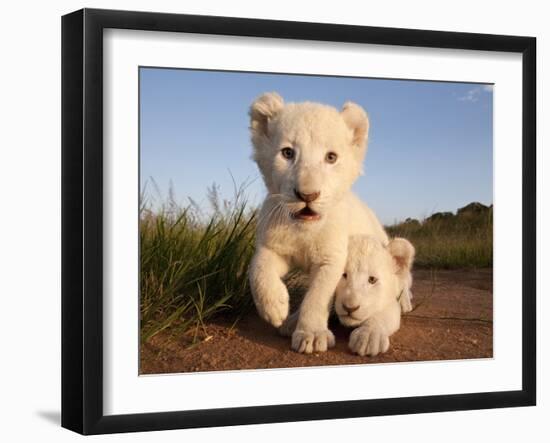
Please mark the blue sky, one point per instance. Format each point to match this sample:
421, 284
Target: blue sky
430, 146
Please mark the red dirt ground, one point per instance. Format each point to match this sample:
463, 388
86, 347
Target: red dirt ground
452, 319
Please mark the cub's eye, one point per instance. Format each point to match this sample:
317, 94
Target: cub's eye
331, 157
372, 280
287, 153
345, 275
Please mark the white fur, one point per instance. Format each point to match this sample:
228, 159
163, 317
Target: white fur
372, 285
319, 246
403, 253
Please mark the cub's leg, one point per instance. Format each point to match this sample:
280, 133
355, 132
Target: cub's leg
373, 336
405, 300
312, 333
268, 290
405, 297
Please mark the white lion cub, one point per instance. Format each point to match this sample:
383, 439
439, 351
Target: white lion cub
369, 292
309, 155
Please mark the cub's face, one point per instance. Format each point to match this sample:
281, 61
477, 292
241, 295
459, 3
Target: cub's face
372, 278
309, 154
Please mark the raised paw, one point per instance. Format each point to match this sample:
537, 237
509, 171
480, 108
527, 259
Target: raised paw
369, 340
306, 342
274, 309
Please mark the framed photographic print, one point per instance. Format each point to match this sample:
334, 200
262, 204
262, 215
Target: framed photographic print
269, 221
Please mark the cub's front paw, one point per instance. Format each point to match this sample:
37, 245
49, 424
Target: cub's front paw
273, 310
369, 339
306, 342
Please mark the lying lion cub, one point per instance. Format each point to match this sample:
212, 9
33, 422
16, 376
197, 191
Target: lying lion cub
369, 292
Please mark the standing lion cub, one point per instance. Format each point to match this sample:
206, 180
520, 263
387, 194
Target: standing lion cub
309, 155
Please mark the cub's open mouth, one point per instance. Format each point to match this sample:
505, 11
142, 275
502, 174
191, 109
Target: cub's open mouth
306, 214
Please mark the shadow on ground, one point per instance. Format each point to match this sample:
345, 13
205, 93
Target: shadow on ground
53, 417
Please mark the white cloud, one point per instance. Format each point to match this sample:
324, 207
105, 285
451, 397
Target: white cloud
473, 94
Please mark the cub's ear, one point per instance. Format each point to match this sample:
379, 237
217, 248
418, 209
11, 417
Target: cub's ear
264, 108
357, 120
402, 252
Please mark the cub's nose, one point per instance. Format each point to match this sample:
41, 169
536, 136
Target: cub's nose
308, 198
350, 309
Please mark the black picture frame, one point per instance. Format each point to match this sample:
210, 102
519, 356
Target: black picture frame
82, 219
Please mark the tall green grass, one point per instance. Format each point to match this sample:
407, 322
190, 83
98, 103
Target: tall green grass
452, 241
193, 267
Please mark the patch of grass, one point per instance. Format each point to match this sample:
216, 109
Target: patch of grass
447, 240
193, 267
